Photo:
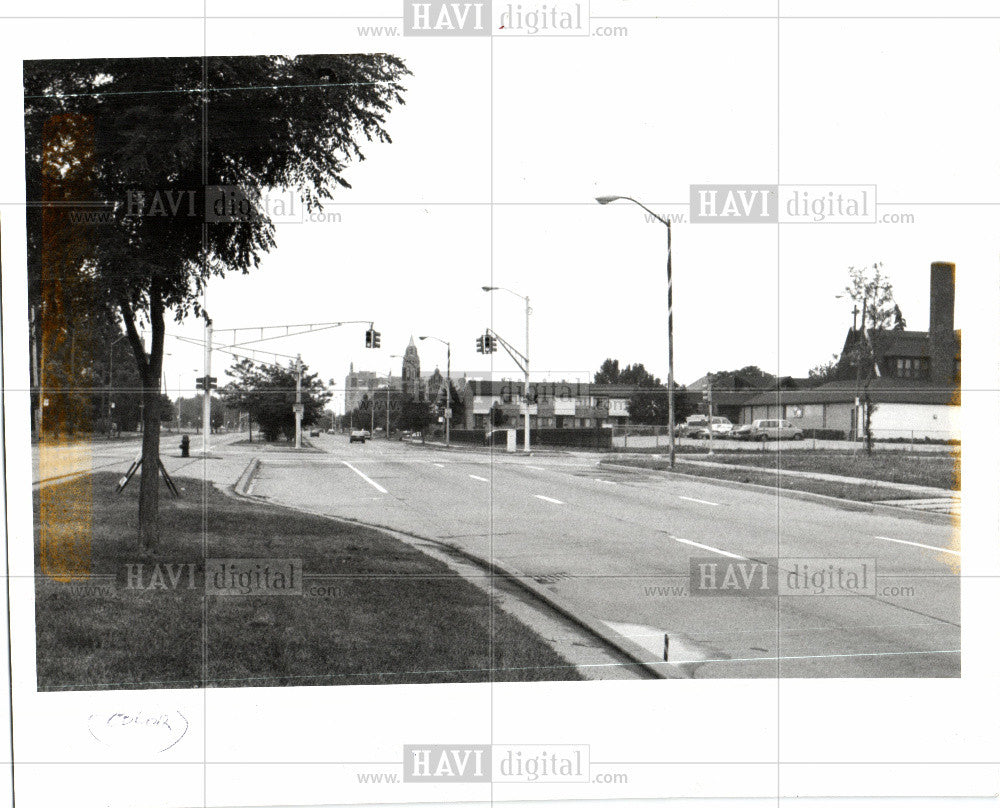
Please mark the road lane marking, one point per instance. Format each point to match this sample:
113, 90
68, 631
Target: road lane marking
608, 482
365, 477
702, 501
481, 479
550, 499
536, 468
710, 549
918, 544
439, 465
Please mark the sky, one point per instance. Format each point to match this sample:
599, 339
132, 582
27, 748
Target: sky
502, 146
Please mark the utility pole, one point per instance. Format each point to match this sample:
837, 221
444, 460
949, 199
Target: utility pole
447, 394
527, 363
298, 401
710, 417
206, 413
388, 387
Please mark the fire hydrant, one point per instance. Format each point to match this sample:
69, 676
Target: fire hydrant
185, 446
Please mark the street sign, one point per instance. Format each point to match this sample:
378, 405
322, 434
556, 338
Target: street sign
447, 412
299, 408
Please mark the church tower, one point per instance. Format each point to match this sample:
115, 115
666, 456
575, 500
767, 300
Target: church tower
411, 372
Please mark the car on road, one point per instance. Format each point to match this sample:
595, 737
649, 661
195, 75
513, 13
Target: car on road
770, 429
359, 435
313, 433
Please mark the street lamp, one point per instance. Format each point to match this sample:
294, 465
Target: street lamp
447, 410
527, 314
604, 200
388, 390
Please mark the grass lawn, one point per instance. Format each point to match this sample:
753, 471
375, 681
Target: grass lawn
938, 470
390, 615
860, 491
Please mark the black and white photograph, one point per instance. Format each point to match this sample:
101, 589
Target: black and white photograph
477, 402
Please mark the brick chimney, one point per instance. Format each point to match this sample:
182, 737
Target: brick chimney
941, 332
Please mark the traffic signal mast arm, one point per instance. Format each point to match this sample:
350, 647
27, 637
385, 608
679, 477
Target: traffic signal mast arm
306, 328
519, 358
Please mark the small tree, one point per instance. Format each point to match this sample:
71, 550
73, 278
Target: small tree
497, 416
824, 371
869, 288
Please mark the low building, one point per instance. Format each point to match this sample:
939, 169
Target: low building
910, 381
552, 405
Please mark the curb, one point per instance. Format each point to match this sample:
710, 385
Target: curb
823, 499
653, 665
246, 478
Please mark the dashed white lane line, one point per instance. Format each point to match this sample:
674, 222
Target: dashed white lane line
365, 477
606, 482
710, 549
918, 544
702, 501
439, 465
550, 499
481, 479
536, 468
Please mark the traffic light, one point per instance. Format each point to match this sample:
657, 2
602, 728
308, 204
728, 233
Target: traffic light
480, 344
373, 338
489, 344
199, 383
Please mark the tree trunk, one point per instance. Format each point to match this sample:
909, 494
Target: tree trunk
149, 483
150, 368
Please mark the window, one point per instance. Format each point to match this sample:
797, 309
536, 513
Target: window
911, 367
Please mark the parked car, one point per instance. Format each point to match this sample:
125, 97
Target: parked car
359, 435
742, 432
774, 429
722, 427
692, 424
313, 433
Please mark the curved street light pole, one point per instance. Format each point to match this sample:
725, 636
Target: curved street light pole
604, 200
447, 392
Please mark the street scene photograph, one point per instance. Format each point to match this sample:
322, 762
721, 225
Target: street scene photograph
566, 400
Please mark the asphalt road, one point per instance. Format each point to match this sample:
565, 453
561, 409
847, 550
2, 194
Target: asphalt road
618, 545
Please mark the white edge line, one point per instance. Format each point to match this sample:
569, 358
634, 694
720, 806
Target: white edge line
918, 544
365, 477
550, 499
710, 549
702, 501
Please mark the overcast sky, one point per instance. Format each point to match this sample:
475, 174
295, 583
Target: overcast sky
676, 103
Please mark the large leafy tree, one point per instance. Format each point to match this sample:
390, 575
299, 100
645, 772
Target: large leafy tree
149, 139
611, 373
267, 393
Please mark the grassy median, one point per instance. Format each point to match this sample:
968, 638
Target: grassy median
373, 610
937, 470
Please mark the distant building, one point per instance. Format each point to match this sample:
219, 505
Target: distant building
411, 372
913, 379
